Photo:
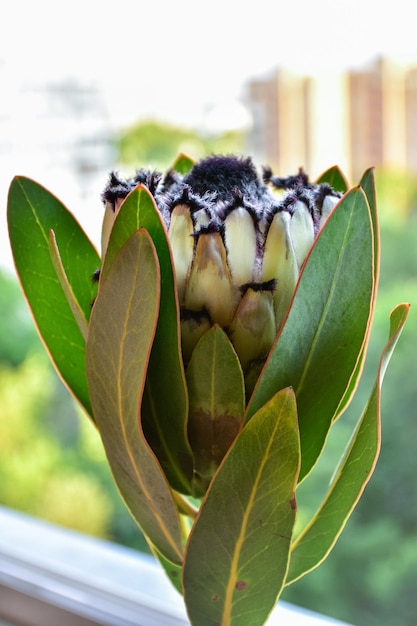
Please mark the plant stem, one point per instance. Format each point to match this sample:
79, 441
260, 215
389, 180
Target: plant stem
184, 506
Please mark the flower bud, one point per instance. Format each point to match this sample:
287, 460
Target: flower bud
237, 248
209, 284
253, 327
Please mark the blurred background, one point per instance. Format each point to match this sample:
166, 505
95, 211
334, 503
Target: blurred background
87, 89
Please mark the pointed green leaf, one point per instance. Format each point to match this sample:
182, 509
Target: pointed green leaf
335, 178
318, 538
121, 332
368, 185
237, 555
32, 213
66, 287
217, 401
183, 163
138, 210
317, 349
165, 401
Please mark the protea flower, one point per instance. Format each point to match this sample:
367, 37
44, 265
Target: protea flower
223, 382
237, 245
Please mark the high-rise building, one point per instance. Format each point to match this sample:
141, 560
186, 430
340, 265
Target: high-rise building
280, 107
411, 119
377, 113
358, 119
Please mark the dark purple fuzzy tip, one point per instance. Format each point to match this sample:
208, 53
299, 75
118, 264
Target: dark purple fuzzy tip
222, 175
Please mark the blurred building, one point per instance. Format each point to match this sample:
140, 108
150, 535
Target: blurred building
58, 134
356, 119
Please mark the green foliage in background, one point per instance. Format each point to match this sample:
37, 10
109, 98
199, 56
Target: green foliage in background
52, 463
17, 335
158, 144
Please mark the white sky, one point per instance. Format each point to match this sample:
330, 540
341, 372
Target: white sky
175, 59
178, 55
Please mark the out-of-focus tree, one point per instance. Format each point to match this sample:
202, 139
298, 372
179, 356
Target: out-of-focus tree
52, 463
156, 145
38, 474
18, 337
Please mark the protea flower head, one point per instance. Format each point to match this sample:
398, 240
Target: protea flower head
228, 334
238, 243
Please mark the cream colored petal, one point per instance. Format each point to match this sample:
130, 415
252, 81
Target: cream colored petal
110, 212
180, 235
280, 263
329, 203
108, 221
209, 284
240, 240
301, 231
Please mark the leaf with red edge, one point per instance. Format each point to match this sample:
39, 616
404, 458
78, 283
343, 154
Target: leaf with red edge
237, 554
165, 399
32, 213
121, 333
183, 163
335, 178
316, 541
316, 351
367, 183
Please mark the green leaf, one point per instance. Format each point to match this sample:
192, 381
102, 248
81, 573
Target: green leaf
317, 350
32, 213
173, 571
318, 538
217, 401
368, 185
121, 332
66, 287
183, 163
237, 555
335, 178
165, 400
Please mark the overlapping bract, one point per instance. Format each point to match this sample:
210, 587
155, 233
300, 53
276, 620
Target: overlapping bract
238, 244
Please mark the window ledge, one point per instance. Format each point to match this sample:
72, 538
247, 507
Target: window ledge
50, 575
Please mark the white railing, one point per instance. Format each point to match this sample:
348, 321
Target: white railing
50, 575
